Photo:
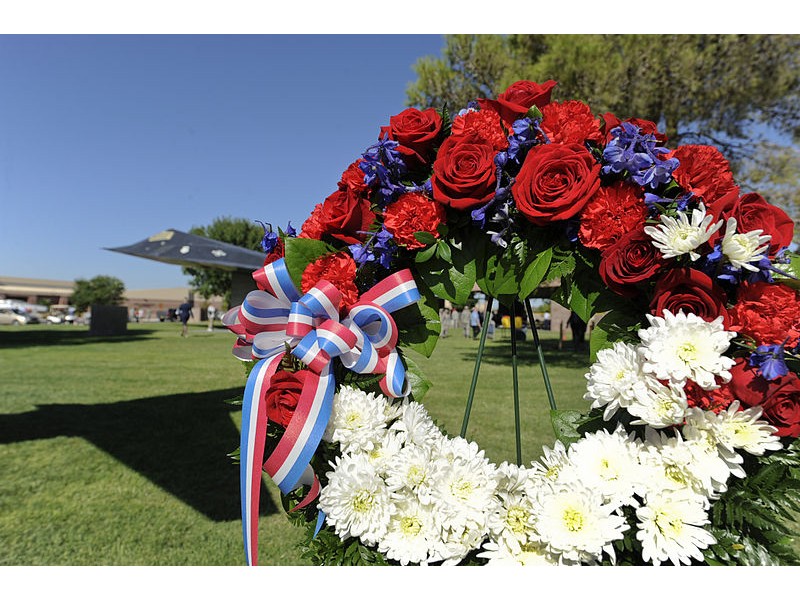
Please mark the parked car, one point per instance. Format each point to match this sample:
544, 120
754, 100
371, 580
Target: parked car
14, 316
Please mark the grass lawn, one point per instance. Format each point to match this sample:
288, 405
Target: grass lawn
113, 451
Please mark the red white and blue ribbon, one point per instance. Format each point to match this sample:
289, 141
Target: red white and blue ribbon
277, 316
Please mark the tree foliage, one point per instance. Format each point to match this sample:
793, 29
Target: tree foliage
240, 232
102, 289
735, 92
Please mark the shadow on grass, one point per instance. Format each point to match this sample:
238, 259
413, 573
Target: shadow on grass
65, 335
498, 352
178, 442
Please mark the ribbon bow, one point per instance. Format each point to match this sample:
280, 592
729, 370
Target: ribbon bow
276, 315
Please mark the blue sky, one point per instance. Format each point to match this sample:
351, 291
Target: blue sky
106, 140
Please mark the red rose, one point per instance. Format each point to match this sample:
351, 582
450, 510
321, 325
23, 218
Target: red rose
570, 122
283, 394
484, 124
555, 182
611, 212
714, 400
412, 213
779, 398
338, 269
751, 212
342, 216
464, 174
519, 97
691, 291
610, 121
767, 312
417, 132
704, 171
631, 260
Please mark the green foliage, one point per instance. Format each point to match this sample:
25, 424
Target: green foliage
102, 289
239, 232
420, 384
418, 325
614, 326
755, 520
301, 252
450, 275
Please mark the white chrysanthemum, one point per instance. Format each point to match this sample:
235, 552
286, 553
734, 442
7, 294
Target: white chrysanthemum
659, 405
675, 237
412, 533
615, 379
553, 466
680, 347
742, 249
358, 419
413, 470
699, 430
744, 429
456, 544
529, 555
356, 500
415, 425
671, 463
609, 463
464, 487
382, 454
511, 519
671, 528
574, 523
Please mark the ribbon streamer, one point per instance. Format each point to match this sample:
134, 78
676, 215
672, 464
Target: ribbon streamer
277, 315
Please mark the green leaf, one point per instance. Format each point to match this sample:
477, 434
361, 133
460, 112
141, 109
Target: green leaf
443, 251
534, 113
792, 270
418, 325
534, 273
561, 265
450, 281
424, 237
301, 252
583, 297
420, 384
425, 255
614, 326
501, 275
565, 425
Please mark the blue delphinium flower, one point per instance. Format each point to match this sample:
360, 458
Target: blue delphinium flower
270, 239
383, 168
377, 248
770, 360
630, 150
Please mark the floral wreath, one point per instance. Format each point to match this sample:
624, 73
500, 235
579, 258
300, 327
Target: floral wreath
686, 452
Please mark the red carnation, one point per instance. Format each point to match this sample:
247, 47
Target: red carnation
689, 290
338, 269
464, 174
555, 182
343, 215
353, 180
570, 122
704, 171
485, 125
767, 312
631, 260
611, 212
610, 121
417, 132
412, 213
519, 97
714, 400
778, 398
283, 394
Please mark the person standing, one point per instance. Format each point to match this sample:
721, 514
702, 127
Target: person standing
465, 318
184, 313
444, 320
212, 311
475, 322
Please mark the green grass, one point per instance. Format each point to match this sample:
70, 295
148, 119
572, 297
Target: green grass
113, 451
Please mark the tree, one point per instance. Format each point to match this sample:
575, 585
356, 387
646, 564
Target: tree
102, 289
735, 92
240, 232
